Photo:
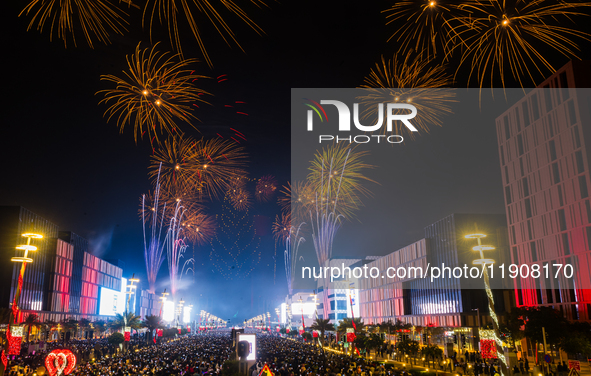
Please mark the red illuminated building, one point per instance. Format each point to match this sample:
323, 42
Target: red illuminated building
544, 142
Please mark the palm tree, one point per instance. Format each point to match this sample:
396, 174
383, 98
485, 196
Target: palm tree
100, 326
152, 322
348, 323
126, 319
387, 327
71, 325
49, 326
32, 320
322, 325
84, 324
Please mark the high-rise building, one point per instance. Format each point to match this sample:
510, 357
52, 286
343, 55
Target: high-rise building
544, 142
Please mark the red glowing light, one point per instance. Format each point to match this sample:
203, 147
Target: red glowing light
60, 362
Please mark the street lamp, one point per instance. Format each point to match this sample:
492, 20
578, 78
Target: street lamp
131, 291
14, 348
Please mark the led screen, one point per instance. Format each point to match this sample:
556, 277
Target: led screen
111, 302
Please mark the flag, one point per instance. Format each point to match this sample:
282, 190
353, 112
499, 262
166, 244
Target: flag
352, 314
266, 371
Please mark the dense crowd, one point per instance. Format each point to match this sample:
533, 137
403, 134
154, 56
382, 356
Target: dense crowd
206, 354
191, 355
287, 357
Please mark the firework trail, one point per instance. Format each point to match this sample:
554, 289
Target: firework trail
170, 12
290, 255
502, 38
175, 246
97, 19
153, 250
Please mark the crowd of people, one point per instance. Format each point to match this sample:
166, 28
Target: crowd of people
209, 353
188, 355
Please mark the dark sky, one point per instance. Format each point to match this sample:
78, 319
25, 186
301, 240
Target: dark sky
62, 160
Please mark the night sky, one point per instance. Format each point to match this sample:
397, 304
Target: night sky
63, 161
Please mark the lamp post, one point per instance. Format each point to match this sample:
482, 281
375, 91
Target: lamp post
491, 303
131, 291
24, 261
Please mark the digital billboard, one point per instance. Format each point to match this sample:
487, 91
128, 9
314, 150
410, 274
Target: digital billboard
111, 302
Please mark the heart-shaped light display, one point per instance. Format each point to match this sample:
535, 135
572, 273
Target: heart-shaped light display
60, 362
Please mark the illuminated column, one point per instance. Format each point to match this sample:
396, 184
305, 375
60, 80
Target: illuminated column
14, 333
491, 303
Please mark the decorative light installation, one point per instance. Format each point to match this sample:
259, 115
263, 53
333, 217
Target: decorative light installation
491, 303
60, 362
14, 336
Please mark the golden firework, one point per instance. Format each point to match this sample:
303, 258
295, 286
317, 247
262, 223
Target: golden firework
337, 177
282, 227
413, 81
265, 188
239, 197
194, 11
502, 38
422, 26
198, 227
217, 164
156, 91
173, 162
96, 18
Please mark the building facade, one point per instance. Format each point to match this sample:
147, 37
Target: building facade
64, 279
445, 302
14, 221
544, 142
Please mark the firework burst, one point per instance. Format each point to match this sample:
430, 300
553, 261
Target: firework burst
422, 25
502, 38
337, 174
97, 19
296, 201
240, 198
198, 227
215, 12
217, 164
410, 80
156, 91
265, 188
281, 227
173, 159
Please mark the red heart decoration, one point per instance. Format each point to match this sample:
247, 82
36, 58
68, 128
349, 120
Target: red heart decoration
60, 362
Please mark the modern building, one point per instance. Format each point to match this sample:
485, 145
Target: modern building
544, 147
14, 221
149, 304
64, 280
460, 304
